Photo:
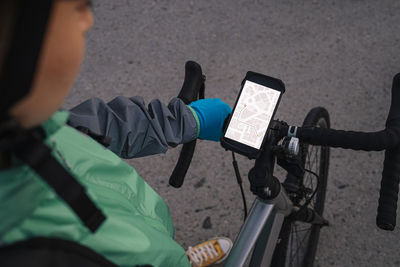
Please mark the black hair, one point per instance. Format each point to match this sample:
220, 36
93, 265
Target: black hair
21, 58
7, 22
22, 29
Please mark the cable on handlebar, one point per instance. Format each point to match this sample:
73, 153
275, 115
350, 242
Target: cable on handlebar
239, 180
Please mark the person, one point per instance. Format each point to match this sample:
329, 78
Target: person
41, 50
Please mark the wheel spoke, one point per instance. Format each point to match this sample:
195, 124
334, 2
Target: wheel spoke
299, 236
291, 247
299, 245
314, 157
303, 230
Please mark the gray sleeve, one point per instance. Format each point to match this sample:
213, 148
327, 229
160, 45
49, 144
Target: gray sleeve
135, 130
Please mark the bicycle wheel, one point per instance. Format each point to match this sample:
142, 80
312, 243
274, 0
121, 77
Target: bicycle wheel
298, 241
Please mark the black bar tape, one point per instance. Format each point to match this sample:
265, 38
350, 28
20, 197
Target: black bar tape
373, 141
386, 217
393, 119
185, 158
192, 83
387, 208
192, 87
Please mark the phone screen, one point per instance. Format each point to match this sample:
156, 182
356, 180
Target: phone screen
252, 114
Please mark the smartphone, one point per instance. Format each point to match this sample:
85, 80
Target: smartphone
255, 107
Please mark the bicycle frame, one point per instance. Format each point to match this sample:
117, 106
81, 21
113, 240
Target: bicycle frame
259, 234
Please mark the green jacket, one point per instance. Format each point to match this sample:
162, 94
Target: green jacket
138, 229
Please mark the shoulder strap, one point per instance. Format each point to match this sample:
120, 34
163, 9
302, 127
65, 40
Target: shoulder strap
50, 252
30, 148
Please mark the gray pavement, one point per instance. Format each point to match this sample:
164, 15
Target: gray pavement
338, 54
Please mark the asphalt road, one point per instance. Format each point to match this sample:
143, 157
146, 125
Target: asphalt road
338, 54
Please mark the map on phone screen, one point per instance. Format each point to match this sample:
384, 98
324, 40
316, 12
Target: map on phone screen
252, 114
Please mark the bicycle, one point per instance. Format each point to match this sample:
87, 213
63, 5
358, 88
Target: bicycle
283, 211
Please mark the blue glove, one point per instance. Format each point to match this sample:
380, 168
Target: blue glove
210, 115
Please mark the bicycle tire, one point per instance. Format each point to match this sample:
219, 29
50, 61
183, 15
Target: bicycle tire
287, 250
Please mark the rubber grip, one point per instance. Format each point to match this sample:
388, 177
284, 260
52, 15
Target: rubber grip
387, 208
192, 86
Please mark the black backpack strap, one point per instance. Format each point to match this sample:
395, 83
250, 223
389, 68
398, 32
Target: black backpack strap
28, 146
51, 252
31, 149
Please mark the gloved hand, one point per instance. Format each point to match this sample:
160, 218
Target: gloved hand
211, 114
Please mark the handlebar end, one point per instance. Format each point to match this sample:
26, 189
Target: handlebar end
385, 226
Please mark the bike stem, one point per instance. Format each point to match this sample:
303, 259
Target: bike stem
262, 182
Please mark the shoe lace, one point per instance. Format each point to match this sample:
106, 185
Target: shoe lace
202, 253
